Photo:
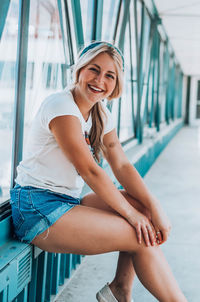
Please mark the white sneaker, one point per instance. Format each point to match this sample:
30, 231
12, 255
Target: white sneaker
105, 295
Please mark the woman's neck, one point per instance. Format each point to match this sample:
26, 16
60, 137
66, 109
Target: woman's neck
82, 104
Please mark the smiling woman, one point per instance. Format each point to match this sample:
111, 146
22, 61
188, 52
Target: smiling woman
46, 207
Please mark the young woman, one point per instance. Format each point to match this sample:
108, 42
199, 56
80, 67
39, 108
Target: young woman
69, 130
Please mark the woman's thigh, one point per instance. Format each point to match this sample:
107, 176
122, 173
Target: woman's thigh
86, 230
94, 201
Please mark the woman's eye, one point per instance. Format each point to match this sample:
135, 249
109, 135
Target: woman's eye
93, 69
110, 76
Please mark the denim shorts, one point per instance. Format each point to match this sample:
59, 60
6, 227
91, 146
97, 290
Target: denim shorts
34, 210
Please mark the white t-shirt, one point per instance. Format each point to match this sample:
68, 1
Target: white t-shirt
44, 164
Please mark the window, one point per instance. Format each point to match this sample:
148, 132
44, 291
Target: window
110, 11
86, 11
8, 52
126, 113
198, 100
47, 69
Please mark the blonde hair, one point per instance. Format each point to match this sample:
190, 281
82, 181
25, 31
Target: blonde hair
97, 111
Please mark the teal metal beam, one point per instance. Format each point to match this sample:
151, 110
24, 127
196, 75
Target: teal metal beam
69, 34
6, 230
140, 55
68, 265
41, 276
123, 25
151, 8
187, 105
117, 20
62, 269
97, 13
121, 46
56, 271
4, 6
132, 75
78, 25
20, 86
33, 284
157, 111
69, 40
180, 94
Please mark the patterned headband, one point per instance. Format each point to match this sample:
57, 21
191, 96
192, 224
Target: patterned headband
93, 45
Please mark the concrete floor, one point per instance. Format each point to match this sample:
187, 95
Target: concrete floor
175, 180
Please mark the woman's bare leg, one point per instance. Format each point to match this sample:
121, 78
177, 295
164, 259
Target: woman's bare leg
122, 283
86, 230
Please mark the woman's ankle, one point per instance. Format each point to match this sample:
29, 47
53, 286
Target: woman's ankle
121, 292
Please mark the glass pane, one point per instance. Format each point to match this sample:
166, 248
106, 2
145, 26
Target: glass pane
198, 90
134, 59
86, 11
110, 10
47, 71
162, 97
8, 52
145, 48
114, 108
139, 19
72, 29
126, 122
119, 25
150, 97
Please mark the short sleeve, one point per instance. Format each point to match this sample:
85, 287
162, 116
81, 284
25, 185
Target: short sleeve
57, 105
109, 122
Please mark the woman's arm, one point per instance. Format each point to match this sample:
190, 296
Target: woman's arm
133, 183
68, 134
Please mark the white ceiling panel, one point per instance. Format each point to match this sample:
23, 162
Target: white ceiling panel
181, 20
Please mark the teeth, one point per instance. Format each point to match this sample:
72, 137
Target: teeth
95, 88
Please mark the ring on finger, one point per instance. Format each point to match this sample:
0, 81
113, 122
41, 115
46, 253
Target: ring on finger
157, 233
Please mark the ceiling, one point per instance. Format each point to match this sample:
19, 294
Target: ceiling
181, 20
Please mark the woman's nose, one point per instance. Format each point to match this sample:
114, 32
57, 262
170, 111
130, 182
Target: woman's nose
99, 78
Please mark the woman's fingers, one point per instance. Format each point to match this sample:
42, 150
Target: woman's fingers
159, 237
162, 236
165, 235
145, 235
139, 234
152, 235
149, 234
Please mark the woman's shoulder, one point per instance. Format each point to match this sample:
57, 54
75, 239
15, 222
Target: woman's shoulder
60, 101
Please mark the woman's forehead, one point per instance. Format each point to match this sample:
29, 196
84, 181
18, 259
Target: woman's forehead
104, 60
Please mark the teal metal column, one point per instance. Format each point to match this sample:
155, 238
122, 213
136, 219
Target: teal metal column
157, 111
140, 78
132, 81
97, 20
187, 105
24, 7
124, 23
78, 26
167, 78
4, 6
67, 43
121, 46
180, 94
117, 20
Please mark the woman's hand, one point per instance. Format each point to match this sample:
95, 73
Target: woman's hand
143, 227
161, 224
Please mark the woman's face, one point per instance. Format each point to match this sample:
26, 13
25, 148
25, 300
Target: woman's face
97, 80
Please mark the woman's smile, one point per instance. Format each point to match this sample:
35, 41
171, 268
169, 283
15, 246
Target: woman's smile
95, 89
97, 80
